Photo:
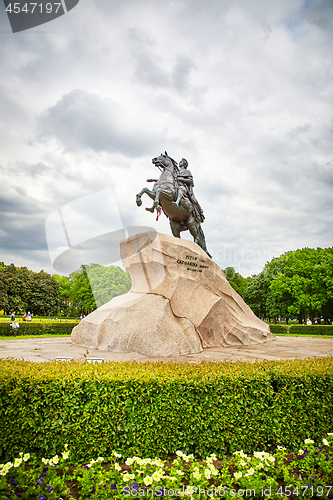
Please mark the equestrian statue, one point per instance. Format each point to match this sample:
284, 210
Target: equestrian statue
173, 193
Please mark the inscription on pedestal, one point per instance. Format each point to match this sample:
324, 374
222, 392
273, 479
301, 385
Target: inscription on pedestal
194, 262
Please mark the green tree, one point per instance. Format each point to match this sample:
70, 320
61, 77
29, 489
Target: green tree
81, 296
108, 282
43, 297
236, 280
22, 290
64, 294
298, 283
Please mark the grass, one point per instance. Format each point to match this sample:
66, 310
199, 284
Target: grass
6, 337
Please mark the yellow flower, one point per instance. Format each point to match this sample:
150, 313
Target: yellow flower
26, 456
66, 446
17, 462
148, 480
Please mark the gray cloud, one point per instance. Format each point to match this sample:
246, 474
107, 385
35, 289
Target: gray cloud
80, 120
242, 90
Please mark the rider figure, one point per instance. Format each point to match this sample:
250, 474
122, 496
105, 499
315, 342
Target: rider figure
185, 190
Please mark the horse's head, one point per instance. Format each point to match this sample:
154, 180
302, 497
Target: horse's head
164, 161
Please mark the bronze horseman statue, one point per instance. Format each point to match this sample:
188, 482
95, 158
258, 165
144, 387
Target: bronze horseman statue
173, 192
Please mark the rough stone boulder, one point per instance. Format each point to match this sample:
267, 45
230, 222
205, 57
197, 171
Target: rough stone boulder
180, 303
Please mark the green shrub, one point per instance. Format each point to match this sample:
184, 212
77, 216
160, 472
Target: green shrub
156, 408
276, 328
35, 328
311, 329
302, 329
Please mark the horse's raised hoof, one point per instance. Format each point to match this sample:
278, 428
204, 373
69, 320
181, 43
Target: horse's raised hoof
138, 200
150, 209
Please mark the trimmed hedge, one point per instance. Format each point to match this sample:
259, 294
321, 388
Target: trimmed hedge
55, 328
302, 329
153, 409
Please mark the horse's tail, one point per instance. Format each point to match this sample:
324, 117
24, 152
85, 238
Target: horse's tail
203, 240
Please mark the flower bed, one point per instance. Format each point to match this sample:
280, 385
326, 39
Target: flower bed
307, 473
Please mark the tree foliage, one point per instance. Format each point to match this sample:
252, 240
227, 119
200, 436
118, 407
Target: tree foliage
22, 290
236, 280
296, 284
90, 287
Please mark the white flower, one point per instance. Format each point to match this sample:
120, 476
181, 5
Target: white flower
65, 455
54, 460
128, 477
308, 441
281, 448
301, 452
117, 455
330, 433
100, 459
271, 458
213, 470
213, 456
207, 473
243, 464
326, 443
172, 478
26, 456
66, 446
117, 466
179, 472
156, 476
45, 461
196, 474
238, 475
17, 462
260, 465
250, 472
130, 461
148, 480
179, 453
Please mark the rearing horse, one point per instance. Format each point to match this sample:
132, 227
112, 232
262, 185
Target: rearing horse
164, 194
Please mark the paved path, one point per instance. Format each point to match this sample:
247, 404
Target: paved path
47, 349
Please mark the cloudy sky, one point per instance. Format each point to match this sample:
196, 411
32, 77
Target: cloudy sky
242, 89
